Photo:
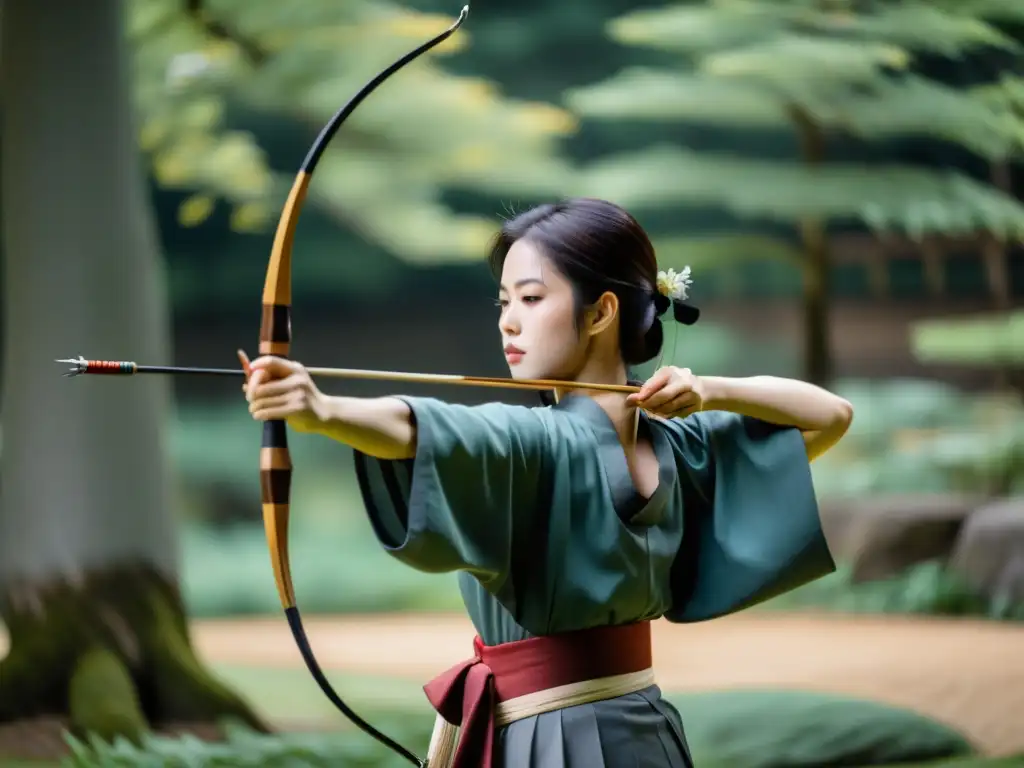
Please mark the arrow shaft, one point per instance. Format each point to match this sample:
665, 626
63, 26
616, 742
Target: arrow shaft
125, 368
197, 371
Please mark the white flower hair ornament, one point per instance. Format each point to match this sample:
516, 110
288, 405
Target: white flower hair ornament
674, 284
673, 290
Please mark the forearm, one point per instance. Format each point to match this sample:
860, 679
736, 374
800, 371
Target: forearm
779, 401
822, 416
380, 427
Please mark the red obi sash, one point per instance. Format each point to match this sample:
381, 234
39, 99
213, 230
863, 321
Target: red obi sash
468, 693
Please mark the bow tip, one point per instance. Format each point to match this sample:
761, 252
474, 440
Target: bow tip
464, 13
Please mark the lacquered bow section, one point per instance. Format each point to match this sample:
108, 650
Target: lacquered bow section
275, 339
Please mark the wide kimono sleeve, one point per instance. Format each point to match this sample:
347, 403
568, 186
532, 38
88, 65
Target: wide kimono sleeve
751, 525
468, 496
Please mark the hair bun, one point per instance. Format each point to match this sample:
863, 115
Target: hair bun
661, 303
687, 314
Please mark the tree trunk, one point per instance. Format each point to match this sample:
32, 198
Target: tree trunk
817, 349
88, 545
108, 652
996, 256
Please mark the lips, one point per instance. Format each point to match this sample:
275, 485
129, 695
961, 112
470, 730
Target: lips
513, 354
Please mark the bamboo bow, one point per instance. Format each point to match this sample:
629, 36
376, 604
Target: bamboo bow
275, 339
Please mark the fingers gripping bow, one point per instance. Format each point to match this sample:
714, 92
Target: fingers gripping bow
275, 339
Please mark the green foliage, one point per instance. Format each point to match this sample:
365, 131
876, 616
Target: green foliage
978, 761
816, 70
798, 729
226, 570
926, 589
936, 27
244, 749
228, 574
982, 341
215, 442
300, 61
877, 110
916, 200
924, 437
710, 346
722, 260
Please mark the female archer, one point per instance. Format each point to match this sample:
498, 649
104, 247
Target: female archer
573, 525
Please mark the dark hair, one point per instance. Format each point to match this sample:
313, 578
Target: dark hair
599, 247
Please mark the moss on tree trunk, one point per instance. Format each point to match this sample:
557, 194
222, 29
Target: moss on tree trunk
111, 653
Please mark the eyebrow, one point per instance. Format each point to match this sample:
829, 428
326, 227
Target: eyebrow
524, 281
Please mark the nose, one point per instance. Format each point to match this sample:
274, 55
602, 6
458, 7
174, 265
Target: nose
508, 323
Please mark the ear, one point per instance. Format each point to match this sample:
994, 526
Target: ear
603, 313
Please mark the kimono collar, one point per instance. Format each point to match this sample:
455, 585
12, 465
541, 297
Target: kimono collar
629, 504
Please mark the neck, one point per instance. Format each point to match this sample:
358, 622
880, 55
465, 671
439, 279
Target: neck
622, 415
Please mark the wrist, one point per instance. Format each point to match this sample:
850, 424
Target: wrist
716, 393
329, 412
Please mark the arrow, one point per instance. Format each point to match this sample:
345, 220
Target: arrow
80, 366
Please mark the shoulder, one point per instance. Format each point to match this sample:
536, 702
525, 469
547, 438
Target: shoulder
711, 427
699, 439
712, 439
684, 431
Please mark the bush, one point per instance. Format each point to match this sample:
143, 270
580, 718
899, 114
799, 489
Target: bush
926, 589
336, 570
925, 437
794, 729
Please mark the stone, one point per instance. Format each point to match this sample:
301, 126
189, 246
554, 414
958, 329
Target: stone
837, 516
989, 552
888, 534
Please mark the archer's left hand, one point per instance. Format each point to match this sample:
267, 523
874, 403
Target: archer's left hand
671, 392
279, 389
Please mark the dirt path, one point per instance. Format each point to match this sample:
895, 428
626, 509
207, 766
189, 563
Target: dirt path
969, 674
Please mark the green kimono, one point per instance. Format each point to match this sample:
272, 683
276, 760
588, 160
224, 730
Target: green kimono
536, 510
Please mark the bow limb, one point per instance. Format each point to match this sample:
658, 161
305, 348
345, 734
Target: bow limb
275, 339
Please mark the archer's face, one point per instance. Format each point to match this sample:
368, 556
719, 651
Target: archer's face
538, 332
